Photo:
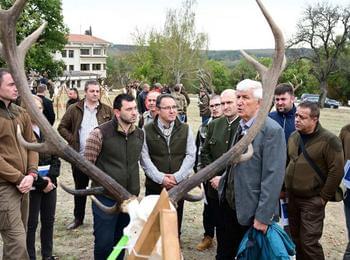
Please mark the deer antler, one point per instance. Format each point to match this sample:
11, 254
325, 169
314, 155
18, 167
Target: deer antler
298, 84
54, 144
269, 78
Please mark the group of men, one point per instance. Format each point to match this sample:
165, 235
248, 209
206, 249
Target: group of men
243, 195
248, 192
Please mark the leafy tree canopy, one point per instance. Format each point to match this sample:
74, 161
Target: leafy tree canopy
40, 56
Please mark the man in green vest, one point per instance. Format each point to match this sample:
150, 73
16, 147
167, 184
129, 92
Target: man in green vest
115, 148
168, 154
218, 141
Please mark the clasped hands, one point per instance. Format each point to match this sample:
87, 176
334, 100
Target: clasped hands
169, 181
27, 183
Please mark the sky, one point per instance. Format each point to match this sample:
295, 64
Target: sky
229, 24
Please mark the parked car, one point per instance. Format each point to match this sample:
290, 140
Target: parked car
329, 103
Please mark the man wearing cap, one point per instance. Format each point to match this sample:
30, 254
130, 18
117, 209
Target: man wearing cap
249, 190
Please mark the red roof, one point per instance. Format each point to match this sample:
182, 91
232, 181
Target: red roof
82, 38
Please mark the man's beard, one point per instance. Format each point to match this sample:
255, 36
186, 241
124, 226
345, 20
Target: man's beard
126, 121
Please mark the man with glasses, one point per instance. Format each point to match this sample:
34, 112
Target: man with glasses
168, 153
218, 141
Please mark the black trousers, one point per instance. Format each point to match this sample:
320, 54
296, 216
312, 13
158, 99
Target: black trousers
229, 233
81, 181
45, 204
210, 214
179, 209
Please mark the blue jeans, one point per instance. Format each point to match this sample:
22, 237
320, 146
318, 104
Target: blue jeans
347, 219
108, 229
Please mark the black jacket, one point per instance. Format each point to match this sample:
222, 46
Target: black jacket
48, 111
47, 159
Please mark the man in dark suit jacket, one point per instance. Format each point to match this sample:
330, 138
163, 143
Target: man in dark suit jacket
48, 111
249, 191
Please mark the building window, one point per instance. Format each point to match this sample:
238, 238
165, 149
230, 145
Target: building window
64, 54
97, 52
96, 66
66, 67
104, 66
71, 67
84, 51
71, 53
84, 67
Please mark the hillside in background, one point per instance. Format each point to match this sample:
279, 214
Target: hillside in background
229, 57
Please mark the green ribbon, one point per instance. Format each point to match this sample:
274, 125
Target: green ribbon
118, 248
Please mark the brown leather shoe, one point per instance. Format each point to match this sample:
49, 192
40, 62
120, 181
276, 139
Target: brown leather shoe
75, 224
207, 242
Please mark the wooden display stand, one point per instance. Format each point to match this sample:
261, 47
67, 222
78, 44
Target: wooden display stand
161, 223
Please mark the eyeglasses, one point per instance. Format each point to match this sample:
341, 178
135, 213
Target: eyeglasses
215, 105
169, 108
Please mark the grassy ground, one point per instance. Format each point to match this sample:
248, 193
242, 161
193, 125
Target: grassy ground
78, 244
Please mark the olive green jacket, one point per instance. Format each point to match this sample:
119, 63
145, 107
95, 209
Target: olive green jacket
326, 151
218, 141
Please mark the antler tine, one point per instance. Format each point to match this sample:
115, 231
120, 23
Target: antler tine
257, 65
30, 40
109, 210
38, 147
83, 192
16, 9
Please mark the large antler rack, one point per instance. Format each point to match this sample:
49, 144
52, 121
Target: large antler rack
269, 78
54, 144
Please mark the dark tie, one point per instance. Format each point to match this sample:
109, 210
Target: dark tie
238, 136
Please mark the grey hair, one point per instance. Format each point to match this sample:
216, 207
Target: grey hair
248, 84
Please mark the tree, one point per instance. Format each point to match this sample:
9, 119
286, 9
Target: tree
244, 70
220, 75
40, 56
299, 71
182, 51
118, 71
175, 54
340, 80
325, 29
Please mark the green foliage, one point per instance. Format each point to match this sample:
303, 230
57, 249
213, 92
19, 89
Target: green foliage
299, 71
220, 75
173, 55
339, 81
118, 71
40, 56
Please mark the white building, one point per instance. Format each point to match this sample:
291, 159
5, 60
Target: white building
85, 58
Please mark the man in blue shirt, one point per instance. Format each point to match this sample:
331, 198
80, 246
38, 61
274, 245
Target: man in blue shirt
285, 108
